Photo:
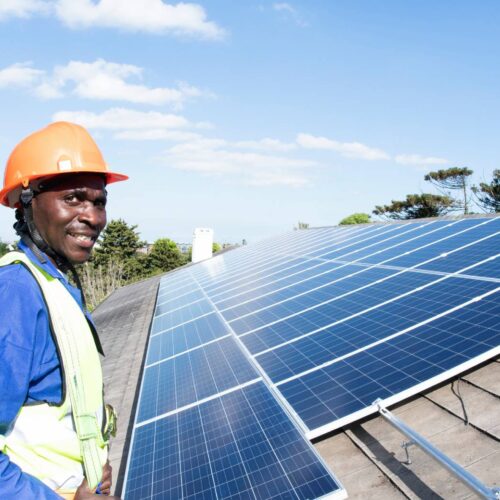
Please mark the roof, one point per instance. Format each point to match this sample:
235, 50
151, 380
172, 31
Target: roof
123, 322
366, 456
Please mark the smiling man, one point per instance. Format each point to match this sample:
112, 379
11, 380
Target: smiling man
54, 425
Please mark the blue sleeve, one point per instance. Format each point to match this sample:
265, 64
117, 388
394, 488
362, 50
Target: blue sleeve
16, 484
19, 303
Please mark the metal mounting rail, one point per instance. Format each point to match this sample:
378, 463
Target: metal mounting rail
466, 477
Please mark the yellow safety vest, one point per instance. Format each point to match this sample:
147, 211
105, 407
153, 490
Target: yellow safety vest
58, 444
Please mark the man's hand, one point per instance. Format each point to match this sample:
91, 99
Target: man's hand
105, 486
83, 492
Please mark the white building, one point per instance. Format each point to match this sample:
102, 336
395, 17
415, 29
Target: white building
203, 239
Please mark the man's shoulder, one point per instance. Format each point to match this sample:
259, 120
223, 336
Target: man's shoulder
15, 270
16, 277
22, 306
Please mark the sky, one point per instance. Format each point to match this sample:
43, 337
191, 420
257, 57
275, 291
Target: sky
249, 116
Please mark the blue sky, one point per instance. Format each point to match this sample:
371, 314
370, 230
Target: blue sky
249, 116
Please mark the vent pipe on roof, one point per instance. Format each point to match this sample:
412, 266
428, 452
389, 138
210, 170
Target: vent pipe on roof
203, 239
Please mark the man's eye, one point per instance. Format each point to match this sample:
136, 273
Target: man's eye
71, 198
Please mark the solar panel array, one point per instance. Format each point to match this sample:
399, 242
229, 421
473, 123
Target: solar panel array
296, 336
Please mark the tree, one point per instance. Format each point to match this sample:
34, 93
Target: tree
216, 247
118, 241
4, 248
488, 195
165, 255
99, 282
451, 179
357, 218
416, 206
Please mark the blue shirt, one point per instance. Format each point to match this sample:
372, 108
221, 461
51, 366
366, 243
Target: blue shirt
30, 371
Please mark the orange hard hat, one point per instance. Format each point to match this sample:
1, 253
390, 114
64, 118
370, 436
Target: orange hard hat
59, 148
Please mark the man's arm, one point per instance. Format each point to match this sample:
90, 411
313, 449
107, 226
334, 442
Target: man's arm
16, 484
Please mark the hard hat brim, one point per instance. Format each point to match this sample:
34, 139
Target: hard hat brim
7, 201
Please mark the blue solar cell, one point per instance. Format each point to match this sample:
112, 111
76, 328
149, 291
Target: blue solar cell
446, 229
223, 281
184, 337
458, 235
172, 292
353, 383
264, 287
193, 376
243, 284
490, 269
140, 474
314, 291
372, 326
323, 315
355, 241
469, 256
169, 320
392, 242
164, 306
241, 445
364, 241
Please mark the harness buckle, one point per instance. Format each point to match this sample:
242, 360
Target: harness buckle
111, 422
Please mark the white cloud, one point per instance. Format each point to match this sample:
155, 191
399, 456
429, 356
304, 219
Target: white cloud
124, 119
150, 16
22, 8
215, 157
420, 160
283, 6
266, 144
346, 149
104, 80
153, 16
98, 80
156, 135
19, 75
290, 11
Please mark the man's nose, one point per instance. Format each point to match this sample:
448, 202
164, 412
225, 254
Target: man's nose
92, 214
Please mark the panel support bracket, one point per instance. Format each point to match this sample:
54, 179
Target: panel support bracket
416, 439
406, 446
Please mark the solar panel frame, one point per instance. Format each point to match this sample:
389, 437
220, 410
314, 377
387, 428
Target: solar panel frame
215, 280
338, 493
266, 447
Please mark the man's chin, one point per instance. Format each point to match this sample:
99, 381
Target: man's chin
77, 260
79, 256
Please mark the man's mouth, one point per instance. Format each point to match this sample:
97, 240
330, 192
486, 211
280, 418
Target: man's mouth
83, 239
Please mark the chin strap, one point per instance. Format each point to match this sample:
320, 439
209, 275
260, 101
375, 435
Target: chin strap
31, 237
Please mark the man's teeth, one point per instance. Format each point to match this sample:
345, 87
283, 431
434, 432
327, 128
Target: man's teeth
82, 237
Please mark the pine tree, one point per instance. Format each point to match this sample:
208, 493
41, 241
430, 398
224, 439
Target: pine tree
416, 206
488, 195
452, 179
118, 242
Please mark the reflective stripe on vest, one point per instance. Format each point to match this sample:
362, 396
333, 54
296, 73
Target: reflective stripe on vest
43, 441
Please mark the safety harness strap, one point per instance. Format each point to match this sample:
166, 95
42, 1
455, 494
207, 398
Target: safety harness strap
81, 365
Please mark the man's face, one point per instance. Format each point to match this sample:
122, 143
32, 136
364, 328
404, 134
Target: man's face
71, 214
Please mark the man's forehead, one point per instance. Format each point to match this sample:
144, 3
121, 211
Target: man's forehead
73, 181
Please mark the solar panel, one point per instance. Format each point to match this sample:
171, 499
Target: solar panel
238, 445
315, 326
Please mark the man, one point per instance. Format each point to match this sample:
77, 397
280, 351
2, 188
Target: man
54, 426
